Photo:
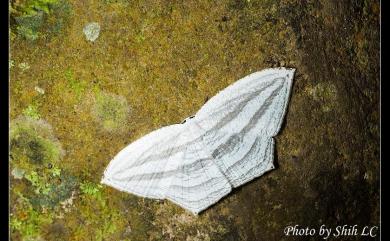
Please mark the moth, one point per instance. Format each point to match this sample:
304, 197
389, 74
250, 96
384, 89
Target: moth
226, 144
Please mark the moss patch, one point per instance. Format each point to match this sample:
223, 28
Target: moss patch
32, 142
34, 19
111, 111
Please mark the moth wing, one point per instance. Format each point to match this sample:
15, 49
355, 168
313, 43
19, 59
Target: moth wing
199, 182
169, 163
263, 95
143, 167
240, 121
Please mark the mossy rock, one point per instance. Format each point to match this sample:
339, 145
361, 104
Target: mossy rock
167, 59
32, 143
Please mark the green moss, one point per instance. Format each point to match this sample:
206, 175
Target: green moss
90, 188
60, 14
76, 85
101, 220
55, 190
28, 25
41, 187
32, 143
26, 220
33, 19
35, 150
32, 111
47, 198
27, 33
55, 171
111, 111
31, 7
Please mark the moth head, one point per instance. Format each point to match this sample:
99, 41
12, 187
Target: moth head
187, 119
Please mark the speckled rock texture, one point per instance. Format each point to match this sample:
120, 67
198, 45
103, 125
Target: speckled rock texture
162, 60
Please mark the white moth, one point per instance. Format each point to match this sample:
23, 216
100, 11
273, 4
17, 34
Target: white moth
227, 143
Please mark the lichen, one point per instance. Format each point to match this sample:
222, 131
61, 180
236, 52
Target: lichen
32, 143
50, 191
39, 90
34, 19
26, 220
111, 111
17, 173
11, 63
49, 194
28, 25
24, 66
92, 31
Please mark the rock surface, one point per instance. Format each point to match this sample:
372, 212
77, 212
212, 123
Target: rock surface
166, 59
